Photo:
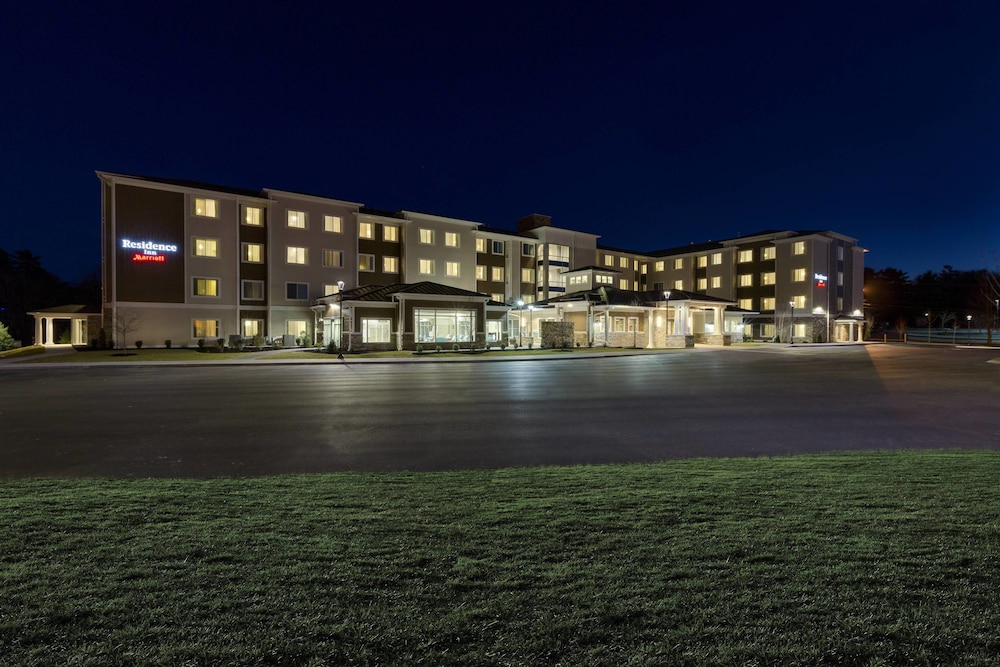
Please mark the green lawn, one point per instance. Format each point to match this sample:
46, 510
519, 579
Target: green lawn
133, 355
886, 558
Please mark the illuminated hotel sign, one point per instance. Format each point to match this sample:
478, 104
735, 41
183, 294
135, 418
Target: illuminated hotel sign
820, 279
147, 251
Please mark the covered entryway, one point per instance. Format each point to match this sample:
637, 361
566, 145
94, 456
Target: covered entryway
64, 325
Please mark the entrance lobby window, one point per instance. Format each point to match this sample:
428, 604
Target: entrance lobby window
444, 326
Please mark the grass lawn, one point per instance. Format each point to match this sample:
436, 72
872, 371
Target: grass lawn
133, 355
884, 558
431, 355
26, 351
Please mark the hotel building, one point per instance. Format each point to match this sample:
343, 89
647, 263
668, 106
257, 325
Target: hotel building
190, 261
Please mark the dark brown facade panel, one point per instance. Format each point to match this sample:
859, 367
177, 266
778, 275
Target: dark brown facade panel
150, 221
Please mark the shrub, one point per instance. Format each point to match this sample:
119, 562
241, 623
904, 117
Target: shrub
168, 343
455, 347
102, 340
437, 349
420, 348
138, 344
6, 340
220, 344
201, 344
331, 347
65, 338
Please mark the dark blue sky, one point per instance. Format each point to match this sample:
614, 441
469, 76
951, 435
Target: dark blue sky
652, 124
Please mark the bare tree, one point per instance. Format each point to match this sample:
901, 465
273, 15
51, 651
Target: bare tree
126, 322
900, 326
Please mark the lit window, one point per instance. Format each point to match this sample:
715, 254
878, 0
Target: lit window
206, 287
498, 297
767, 253
253, 253
622, 283
375, 330
296, 327
528, 275
480, 245
205, 328
623, 262
798, 275
296, 219
427, 267
527, 298
609, 260
746, 304
635, 285
498, 247
702, 283
767, 330
603, 280
745, 256
252, 215
645, 268
297, 291
451, 239
840, 278
496, 274
252, 328
716, 282
840, 253
799, 300
206, 208
480, 272
390, 233
427, 236
527, 249
679, 263
333, 258
767, 303
451, 269
206, 247
746, 280
659, 266
366, 263
799, 248
702, 261
390, 264
333, 223
366, 230
635, 265
767, 278
253, 290
716, 258
679, 284
295, 255
619, 324
331, 289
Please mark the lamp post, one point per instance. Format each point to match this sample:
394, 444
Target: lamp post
928, 316
520, 323
791, 322
666, 316
531, 328
340, 310
968, 335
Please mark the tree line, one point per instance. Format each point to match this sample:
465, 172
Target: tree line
25, 286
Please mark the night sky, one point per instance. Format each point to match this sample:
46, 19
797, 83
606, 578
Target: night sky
652, 124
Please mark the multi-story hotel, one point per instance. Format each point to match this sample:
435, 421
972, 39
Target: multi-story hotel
189, 261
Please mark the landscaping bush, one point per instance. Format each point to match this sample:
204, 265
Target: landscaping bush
138, 344
167, 343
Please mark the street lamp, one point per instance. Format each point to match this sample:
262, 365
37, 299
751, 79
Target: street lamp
928, 316
791, 323
340, 298
531, 328
968, 335
520, 323
666, 315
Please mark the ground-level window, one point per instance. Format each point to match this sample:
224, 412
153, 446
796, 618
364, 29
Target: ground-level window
443, 325
253, 328
205, 328
296, 327
633, 324
767, 330
375, 330
799, 331
493, 331
619, 323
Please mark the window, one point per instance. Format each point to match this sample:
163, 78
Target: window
527, 250
296, 219
840, 253
798, 275
253, 253
295, 255
603, 280
645, 269
297, 291
333, 258
451, 239
679, 284
840, 278
746, 280
659, 266
390, 233
679, 263
799, 301
444, 325
496, 274
253, 328
528, 275
745, 256
252, 215
622, 283
451, 269
767, 303
619, 324
366, 230
206, 287
716, 282
498, 247
206, 247
296, 327
205, 328
527, 298
427, 267
746, 304
609, 260
480, 272
702, 284
480, 245
767, 253
799, 248
390, 264
623, 262
331, 289
702, 261
366, 262
252, 290
497, 296
206, 208
375, 330
635, 265
427, 236
716, 258
767, 278
333, 223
